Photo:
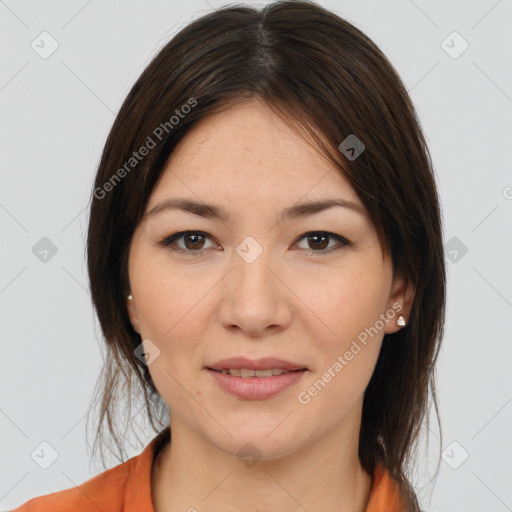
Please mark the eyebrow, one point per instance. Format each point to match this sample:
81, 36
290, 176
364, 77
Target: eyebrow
213, 211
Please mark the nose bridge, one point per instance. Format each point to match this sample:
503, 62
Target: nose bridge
254, 298
251, 263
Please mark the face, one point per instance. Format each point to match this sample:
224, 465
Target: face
311, 288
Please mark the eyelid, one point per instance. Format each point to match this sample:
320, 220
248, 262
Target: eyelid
170, 240
340, 239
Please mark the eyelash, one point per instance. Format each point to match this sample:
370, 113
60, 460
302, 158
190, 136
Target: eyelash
169, 242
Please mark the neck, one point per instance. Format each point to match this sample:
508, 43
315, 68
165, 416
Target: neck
190, 473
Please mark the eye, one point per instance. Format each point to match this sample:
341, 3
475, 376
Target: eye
318, 241
194, 241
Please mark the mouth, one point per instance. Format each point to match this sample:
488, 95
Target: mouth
249, 384
248, 372
265, 364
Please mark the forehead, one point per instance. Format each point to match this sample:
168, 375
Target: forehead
248, 153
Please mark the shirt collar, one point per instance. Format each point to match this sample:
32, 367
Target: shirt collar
138, 485
385, 494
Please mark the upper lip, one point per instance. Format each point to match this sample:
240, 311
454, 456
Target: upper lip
265, 363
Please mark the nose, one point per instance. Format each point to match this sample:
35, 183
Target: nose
255, 297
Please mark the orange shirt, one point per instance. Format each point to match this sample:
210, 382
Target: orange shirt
127, 488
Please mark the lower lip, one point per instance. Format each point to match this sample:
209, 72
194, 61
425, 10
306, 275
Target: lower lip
256, 388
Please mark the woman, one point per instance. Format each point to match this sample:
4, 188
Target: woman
265, 259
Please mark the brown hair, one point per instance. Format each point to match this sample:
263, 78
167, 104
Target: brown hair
328, 80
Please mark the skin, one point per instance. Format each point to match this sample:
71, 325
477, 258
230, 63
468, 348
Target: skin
288, 303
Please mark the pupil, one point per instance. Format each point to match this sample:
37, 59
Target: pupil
316, 237
192, 236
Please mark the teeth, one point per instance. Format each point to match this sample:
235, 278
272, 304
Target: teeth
244, 372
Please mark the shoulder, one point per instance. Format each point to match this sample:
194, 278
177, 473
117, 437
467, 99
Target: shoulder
123, 488
386, 493
105, 491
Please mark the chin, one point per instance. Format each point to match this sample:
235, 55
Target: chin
253, 444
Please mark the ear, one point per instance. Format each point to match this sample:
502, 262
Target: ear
132, 312
400, 301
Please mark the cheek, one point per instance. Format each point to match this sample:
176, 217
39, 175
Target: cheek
348, 303
173, 308
170, 313
166, 296
347, 346
345, 301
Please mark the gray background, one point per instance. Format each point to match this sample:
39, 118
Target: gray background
55, 114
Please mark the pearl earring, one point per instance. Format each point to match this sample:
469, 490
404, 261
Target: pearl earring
130, 297
400, 321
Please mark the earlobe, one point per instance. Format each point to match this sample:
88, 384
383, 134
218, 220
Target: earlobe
400, 302
132, 313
